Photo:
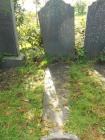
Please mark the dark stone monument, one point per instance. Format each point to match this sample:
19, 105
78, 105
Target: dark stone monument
8, 37
95, 31
57, 28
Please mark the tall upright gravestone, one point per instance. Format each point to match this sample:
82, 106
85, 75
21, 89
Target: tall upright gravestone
8, 37
95, 30
57, 28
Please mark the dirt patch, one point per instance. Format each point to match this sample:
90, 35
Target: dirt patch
7, 78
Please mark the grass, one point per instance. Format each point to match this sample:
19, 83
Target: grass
87, 103
21, 93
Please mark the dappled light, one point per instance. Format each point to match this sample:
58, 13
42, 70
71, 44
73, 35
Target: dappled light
30, 81
21, 95
52, 69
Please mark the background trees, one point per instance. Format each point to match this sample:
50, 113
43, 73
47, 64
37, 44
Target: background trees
19, 12
80, 7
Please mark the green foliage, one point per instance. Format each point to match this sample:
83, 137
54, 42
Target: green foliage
19, 12
79, 36
30, 41
80, 8
34, 37
30, 38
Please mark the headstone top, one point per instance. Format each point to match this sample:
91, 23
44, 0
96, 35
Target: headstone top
57, 28
8, 36
95, 31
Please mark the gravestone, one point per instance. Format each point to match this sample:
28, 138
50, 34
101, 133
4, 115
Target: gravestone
95, 30
8, 37
57, 28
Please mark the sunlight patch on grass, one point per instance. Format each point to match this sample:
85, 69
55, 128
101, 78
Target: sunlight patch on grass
21, 94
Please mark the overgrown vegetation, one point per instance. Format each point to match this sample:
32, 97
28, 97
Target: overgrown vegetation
80, 7
80, 25
19, 13
30, 38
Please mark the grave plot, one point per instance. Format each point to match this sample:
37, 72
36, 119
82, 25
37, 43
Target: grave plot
57, 28
56, 109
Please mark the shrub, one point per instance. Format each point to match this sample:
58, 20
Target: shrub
80, 8
79, 36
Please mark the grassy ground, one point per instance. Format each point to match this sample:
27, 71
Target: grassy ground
87, 102
21, 92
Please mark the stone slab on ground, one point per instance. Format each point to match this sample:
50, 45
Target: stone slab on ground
59, 136
56, 110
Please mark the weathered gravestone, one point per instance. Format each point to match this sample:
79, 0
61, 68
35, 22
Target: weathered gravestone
95, 31
8, 36
57, 28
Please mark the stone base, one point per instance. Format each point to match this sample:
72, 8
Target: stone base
60, 136
12, 62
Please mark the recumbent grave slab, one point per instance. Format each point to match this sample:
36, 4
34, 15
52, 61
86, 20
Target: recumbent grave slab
95, 30
8, 36
57, 28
